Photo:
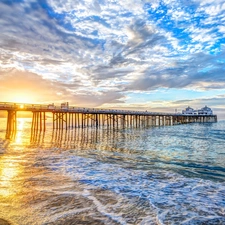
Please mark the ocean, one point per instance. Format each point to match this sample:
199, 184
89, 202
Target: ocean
156, 175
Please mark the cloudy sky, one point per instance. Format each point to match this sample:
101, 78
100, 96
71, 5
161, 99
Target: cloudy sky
156, 55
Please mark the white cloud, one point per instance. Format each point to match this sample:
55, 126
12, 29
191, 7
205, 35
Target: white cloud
222, 29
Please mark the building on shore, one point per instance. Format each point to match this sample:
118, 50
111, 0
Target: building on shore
203, 111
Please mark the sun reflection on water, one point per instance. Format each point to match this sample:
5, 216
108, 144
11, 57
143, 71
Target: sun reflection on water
22, 132
10, 167
9, 171
20, 127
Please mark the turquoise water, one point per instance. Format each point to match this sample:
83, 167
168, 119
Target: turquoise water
159, 175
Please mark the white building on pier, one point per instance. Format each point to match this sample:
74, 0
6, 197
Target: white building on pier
203, 111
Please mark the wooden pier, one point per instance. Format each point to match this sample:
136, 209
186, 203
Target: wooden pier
65, 117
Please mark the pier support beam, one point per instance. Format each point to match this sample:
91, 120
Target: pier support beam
11, 124
38, 124
60, 120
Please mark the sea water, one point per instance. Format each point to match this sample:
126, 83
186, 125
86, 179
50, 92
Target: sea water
155, 175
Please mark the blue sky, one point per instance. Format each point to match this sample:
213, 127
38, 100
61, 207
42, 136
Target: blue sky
157, 55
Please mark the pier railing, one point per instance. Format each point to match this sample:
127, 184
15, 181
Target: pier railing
55, 108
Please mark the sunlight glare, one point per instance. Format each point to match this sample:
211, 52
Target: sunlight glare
20, 128
23, 98
21, 122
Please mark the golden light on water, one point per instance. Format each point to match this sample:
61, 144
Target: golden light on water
9, 171
21, 122
20, 127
